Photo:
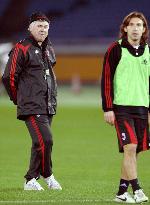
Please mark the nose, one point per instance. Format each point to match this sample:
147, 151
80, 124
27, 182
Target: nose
135, 27
43, 29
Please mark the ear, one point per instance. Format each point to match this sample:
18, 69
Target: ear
125, 29
144, 29
29, 28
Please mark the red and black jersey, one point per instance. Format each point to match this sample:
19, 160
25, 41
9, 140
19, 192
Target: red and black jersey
111, 60
25, 78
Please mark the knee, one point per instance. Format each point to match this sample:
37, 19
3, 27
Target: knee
130, 149
45, 141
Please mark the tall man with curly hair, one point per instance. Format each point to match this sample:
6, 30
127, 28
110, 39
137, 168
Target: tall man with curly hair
125, 99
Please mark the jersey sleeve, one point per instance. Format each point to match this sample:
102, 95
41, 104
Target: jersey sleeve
111, 60
12, 71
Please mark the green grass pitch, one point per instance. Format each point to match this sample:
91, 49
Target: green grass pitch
85, 156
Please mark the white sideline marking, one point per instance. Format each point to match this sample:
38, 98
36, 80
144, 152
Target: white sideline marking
58, 201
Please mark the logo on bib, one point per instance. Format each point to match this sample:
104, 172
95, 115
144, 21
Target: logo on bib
144, 62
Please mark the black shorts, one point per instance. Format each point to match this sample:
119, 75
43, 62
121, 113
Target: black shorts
132, 130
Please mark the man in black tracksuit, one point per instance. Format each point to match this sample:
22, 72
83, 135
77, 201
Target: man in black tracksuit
31, 85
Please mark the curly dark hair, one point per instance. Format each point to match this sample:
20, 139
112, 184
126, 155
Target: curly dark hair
126, 21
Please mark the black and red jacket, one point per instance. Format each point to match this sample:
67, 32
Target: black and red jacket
111, 60
25, 78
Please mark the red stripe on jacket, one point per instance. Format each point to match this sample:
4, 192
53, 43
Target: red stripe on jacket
12, 74
13, 67
23, 48
107, 79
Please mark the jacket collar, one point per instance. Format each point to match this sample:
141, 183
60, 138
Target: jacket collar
35, 43
126, 44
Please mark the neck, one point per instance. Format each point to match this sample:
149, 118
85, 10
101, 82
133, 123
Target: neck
134, 43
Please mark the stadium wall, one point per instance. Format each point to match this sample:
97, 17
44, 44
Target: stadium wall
86, 67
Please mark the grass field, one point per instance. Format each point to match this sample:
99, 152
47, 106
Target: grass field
85, 154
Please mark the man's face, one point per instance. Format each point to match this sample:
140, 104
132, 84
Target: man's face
39, 30
134, 30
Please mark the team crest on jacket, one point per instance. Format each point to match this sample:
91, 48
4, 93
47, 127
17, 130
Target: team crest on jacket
36, 51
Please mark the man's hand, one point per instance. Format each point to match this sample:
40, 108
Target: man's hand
109, 117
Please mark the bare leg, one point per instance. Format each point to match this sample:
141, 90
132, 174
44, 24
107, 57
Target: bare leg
129, 165
128, 169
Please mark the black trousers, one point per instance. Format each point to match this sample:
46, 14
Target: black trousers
41, 150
